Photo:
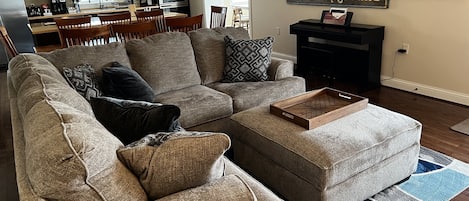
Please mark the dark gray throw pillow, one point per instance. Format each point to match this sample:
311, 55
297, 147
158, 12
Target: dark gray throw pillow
247, 60
131, 120
83, 79
122, 82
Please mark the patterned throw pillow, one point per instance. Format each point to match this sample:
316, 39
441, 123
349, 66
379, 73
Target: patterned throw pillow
83, 79
166, 163
247, 60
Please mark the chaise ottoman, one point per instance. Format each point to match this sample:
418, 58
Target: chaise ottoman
351, 158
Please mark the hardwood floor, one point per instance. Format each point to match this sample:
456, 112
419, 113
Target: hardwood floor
8, 190
435, 115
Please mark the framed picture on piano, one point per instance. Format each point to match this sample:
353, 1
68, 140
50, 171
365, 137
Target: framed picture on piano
343, 19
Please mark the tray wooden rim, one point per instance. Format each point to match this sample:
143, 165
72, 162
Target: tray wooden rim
278, 108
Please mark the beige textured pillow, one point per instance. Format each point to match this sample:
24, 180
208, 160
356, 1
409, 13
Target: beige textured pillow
166, 163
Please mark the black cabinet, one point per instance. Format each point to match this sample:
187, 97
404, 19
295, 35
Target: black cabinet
335, 53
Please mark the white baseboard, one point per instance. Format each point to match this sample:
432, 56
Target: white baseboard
435, 92
422, 89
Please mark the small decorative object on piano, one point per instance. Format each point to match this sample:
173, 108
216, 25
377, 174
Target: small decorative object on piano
336, 16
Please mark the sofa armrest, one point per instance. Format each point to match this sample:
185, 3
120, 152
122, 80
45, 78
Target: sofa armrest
280, 68
227, 188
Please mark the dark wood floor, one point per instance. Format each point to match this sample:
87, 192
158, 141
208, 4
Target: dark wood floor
436, 116
8, 190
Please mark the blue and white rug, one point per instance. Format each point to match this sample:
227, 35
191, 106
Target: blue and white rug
438, 178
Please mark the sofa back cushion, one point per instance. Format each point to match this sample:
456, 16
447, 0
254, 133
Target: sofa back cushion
68, 153
209, 49
96, 56
165, 60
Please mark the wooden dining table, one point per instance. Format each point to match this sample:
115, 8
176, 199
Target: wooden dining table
45, 31
50, 27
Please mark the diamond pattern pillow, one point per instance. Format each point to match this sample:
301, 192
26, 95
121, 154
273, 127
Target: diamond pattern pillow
83, 79
247, 60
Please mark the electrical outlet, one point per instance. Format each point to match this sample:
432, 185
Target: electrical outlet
406, 47
277, 29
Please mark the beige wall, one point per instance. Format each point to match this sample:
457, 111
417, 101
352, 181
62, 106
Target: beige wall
437, 31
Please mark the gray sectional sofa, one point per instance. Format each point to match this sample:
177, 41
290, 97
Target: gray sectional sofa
187, 71
61, 150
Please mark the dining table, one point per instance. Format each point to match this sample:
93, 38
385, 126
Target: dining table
51, 27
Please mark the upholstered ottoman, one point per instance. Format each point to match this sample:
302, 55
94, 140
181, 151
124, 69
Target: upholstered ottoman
351, 158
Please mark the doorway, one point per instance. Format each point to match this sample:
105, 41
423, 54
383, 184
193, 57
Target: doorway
238, 11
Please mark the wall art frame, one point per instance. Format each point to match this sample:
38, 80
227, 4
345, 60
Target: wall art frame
343, 3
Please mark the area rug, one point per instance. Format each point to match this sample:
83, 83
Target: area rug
438, 178
462, 127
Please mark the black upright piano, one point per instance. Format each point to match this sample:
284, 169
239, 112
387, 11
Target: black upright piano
349, 54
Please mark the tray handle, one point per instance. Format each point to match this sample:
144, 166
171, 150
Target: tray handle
288, 115
344, 96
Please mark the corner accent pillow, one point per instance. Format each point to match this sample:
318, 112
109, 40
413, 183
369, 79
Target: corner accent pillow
166, 163
131, 120
247, 60
83, 79
122, 82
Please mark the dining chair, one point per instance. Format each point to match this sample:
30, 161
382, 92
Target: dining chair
73, 22
155, 14
240, 19
137, 30
8, 43
218, 16
115, 18
184, 24
90, 36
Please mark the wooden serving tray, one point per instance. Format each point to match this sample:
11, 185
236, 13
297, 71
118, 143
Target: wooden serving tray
318, 107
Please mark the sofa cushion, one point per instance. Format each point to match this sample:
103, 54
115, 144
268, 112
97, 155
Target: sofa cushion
97, 56
165, 60
261, 191
209, 50
247, 60
198, 104
122, 82
83, 79
227, 188
68, 154
131, 120
246, 95
166, 163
